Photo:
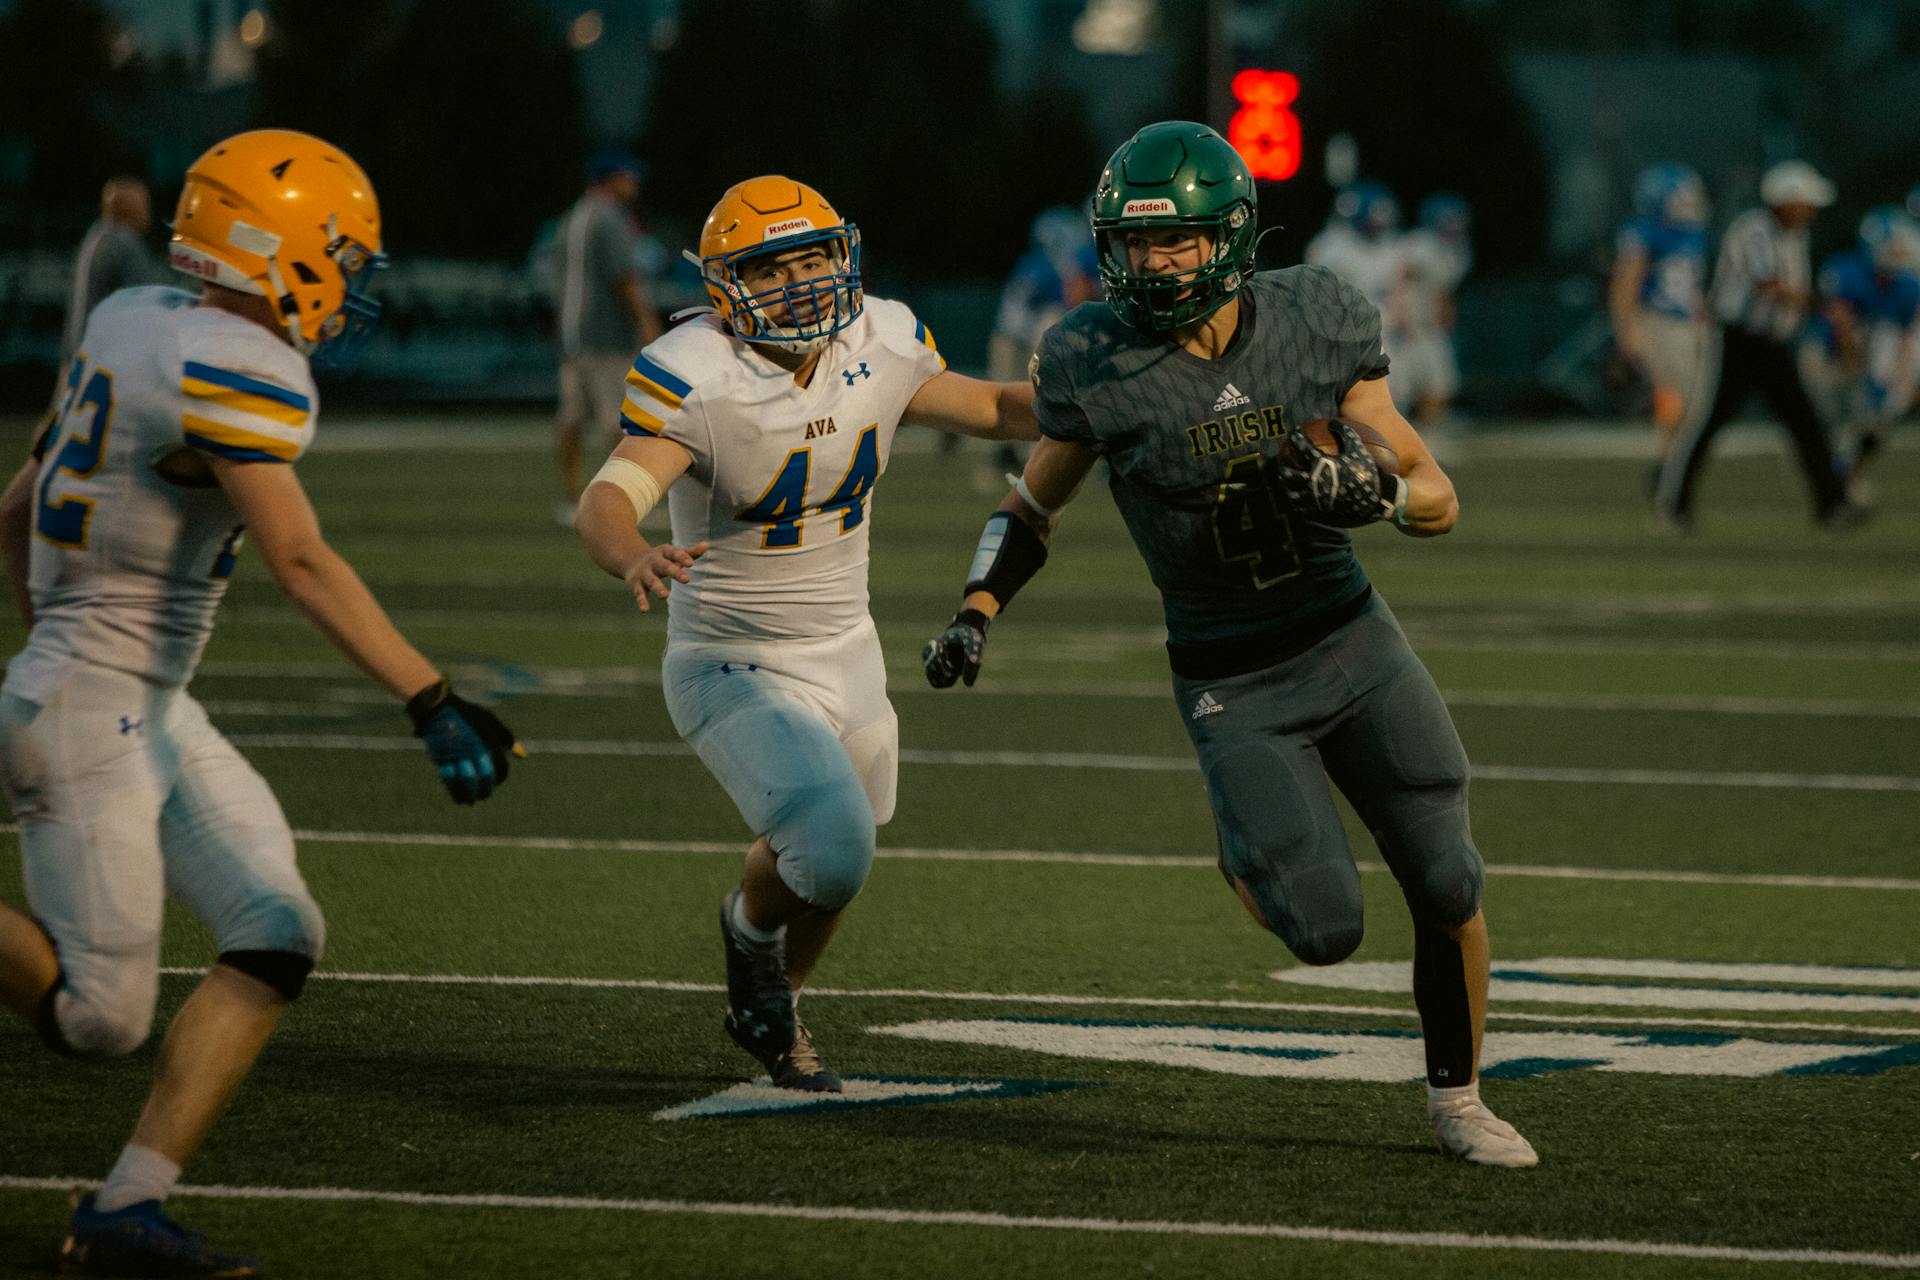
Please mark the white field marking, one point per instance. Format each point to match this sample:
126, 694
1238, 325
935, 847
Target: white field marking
1139, 763
593, 682
250, 707
967, 1218
1840, 975
1068, 645
1512, 981
1073, 1001
759, 1096
1069, 858
1063, 857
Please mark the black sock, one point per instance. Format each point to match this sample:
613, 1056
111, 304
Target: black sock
1446, 1018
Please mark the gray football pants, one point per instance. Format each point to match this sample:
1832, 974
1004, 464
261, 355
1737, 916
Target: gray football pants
1358, 709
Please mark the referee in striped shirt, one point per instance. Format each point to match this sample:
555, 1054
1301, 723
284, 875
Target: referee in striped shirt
1762, 291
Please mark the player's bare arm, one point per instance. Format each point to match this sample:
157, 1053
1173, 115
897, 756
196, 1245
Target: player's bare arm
1623, 304
637, 302
1052, 477
16, 528
322, 586
1431, 507
959, 405
639, 471
1013, 547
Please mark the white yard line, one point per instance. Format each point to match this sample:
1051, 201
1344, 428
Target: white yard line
1080, 1001
1138, 763
1003, 1221
565, 844
1064, 857
590, 682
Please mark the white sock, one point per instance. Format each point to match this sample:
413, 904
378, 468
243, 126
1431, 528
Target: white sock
744, 927
140, 1173
1439, 1098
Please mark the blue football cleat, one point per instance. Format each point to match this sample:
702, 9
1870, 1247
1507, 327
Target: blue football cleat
141, 1240
759, 1002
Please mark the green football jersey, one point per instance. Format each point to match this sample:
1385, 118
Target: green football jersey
1187, 440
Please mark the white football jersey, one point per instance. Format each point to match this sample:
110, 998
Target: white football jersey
782, 477
132, 538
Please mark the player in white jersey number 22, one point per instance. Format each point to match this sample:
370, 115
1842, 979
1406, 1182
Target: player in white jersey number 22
176, 431
768, 423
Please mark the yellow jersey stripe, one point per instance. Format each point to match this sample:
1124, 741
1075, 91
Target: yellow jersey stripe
640, 420
245, 402
640, 382
236, 440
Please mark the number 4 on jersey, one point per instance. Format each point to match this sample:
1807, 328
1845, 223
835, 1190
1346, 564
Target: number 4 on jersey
1249, 527
782, 509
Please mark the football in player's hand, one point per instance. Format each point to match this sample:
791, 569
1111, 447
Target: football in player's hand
1320, 431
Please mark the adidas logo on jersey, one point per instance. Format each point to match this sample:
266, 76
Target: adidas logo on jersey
1231, 398
1208, 704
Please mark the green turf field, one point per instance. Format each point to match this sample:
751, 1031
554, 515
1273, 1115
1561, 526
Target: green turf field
1698, 790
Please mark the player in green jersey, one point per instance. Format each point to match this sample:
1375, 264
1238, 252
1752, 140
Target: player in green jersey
1191, 380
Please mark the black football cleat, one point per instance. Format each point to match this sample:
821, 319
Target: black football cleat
760, 1016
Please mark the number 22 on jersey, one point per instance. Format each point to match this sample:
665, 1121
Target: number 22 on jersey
782, 509
63, 519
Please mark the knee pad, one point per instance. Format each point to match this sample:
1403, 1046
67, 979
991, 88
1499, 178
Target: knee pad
1445, 890
823, 842
102, 1024
277, 922
284, 971
1317, 911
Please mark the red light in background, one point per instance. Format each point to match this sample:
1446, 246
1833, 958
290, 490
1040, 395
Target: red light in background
1264, 130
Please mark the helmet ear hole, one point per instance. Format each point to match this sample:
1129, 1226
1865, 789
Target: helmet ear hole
306, 273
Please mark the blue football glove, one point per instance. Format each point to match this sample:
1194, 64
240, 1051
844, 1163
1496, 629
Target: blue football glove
469, 744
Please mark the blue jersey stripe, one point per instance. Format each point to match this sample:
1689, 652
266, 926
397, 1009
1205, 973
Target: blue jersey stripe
236, 452
653, 372
241, 382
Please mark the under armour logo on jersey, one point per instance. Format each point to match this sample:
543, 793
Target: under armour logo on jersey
129, 725
1207, 706
852, 374
1231, 398
728, 668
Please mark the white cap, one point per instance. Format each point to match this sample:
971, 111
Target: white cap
1795, 182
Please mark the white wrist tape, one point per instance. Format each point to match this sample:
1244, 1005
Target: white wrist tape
632, 479
1026, 496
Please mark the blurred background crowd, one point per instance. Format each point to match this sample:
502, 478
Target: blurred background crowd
1567, 171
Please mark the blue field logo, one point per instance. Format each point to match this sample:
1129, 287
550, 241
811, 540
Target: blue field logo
1391, 1057
1656, 984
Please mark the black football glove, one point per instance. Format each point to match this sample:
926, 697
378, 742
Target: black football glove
471, 746
1344, 489
955, 653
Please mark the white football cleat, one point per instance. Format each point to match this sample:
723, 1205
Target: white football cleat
1466, 1129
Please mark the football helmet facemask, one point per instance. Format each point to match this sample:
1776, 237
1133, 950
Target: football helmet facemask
775, 214
1175, 174
288, 217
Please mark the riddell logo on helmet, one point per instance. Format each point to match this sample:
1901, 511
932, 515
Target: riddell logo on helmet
192, 263
1143, 208
786, 227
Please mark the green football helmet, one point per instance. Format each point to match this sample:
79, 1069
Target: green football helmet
1175, 174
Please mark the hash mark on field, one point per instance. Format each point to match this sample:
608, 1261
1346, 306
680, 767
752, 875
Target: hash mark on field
1071, 1000
625, 747
966, 1218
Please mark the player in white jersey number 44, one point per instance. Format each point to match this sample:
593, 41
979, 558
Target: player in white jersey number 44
768, 423
180, 418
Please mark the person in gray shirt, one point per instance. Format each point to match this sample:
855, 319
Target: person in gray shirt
112, 256
604, 314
